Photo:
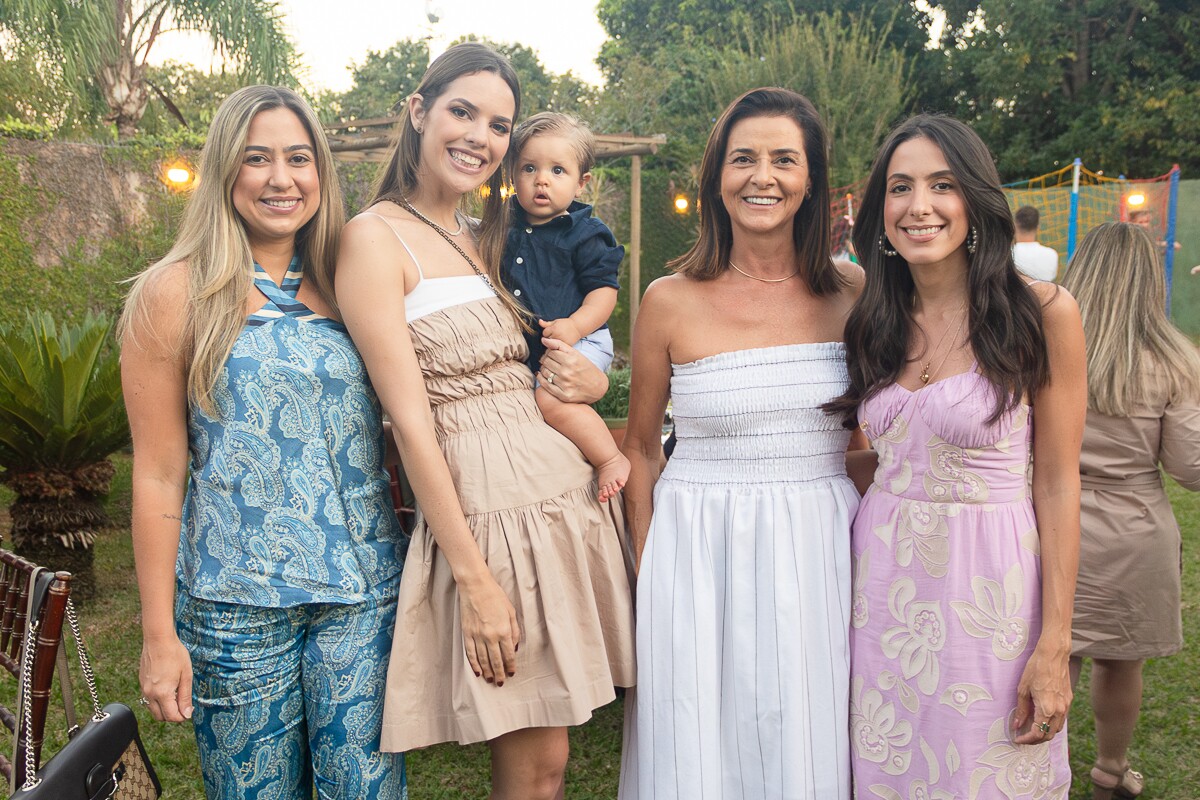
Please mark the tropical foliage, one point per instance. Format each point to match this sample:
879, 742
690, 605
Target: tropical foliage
103, 45
61, 415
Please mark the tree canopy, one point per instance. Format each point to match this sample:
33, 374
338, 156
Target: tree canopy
103, 45
1115, 83
384, 78
1038, 79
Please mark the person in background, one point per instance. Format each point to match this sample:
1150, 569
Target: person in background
1035, 260
561, 264
1143, 414
516, 616
744, 537
261, 510
969, 381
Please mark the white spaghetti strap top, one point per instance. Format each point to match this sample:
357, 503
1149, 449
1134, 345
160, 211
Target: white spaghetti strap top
431, 295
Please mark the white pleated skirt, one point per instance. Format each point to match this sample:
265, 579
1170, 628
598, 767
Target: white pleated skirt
743, 613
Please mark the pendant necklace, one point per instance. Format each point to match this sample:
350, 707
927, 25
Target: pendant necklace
457, 215
445, 234
926, 375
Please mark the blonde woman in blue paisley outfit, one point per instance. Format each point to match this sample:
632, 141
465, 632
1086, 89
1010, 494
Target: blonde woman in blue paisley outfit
268, 555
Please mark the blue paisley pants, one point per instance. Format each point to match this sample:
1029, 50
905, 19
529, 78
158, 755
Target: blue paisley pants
291, 698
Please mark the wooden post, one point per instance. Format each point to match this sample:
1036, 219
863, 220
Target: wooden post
635, 241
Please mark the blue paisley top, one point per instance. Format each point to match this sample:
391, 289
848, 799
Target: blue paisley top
288, 501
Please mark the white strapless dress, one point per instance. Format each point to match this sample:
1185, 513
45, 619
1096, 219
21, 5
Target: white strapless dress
743, 599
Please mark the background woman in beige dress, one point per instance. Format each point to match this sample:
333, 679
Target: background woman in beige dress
1143, 410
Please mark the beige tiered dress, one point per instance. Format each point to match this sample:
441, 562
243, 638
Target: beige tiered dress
530, 499
1127, 597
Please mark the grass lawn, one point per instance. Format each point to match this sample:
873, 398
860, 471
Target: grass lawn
1166, 747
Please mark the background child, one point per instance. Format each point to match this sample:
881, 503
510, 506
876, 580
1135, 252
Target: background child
562, 263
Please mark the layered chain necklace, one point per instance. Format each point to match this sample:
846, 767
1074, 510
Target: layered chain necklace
445, 234
926, 373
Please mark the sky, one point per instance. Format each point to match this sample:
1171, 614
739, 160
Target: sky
331, 34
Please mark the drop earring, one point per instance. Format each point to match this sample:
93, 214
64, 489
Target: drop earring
885, 246
973, 241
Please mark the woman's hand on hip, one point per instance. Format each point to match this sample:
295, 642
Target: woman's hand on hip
166, 677
491, 634
568, 376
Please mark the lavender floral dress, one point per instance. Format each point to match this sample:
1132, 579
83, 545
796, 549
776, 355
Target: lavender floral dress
947, 601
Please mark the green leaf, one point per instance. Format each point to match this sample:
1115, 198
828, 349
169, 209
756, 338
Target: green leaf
60, 394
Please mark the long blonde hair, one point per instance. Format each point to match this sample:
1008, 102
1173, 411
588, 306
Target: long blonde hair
212, 239
400, 177
1117, 277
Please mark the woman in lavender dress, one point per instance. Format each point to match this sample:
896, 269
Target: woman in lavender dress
970, 384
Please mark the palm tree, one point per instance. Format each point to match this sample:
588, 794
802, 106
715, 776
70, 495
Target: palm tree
104, 44
61, 415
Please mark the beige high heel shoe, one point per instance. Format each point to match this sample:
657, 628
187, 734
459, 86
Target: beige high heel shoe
1125, 785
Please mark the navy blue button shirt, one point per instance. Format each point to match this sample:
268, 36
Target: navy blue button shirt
551, 267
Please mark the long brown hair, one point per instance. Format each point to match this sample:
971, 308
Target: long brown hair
709, 256
1117, 278
212, 239
1005, 317
399, 178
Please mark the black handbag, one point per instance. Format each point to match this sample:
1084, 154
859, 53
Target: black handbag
103, 759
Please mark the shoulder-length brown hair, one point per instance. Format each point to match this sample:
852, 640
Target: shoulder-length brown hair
709, 256
399, 177
1004, 315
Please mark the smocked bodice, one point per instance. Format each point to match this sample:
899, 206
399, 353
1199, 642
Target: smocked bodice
753, 417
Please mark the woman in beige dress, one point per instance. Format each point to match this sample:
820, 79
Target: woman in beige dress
1143, 411
515, 616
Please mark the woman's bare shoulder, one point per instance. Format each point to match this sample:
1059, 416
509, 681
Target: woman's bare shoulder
1058, 305
670, 293
853, 276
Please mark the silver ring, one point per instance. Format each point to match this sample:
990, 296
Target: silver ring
143, 701
1044, 727
550, 378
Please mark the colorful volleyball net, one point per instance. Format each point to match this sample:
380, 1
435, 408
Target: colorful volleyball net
1074, 199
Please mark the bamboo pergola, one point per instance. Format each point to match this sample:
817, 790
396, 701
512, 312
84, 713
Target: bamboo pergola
371, 140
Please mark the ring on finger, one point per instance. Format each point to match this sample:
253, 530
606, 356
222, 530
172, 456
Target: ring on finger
550, 378
143, 701
1044, 727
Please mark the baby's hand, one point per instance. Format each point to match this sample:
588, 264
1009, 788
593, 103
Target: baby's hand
565, 330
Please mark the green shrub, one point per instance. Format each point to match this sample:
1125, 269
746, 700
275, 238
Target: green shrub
61, 415
615, 403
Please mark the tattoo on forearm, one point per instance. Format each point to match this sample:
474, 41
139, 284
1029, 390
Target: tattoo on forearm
172, 516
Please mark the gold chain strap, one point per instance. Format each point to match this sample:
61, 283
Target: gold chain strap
442, 232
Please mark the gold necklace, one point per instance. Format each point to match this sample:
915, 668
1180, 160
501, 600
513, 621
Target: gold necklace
765, 280
436, 227
926, 375
445, 234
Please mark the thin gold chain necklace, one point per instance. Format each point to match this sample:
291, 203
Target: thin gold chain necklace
926, 375
765, 280
445, 234
428, 221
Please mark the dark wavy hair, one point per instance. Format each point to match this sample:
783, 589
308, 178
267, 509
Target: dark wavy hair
709, 256
1005, 317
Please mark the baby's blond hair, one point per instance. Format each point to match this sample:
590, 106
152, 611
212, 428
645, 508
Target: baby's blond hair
554, 123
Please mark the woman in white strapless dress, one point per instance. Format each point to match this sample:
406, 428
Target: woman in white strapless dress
743, 595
